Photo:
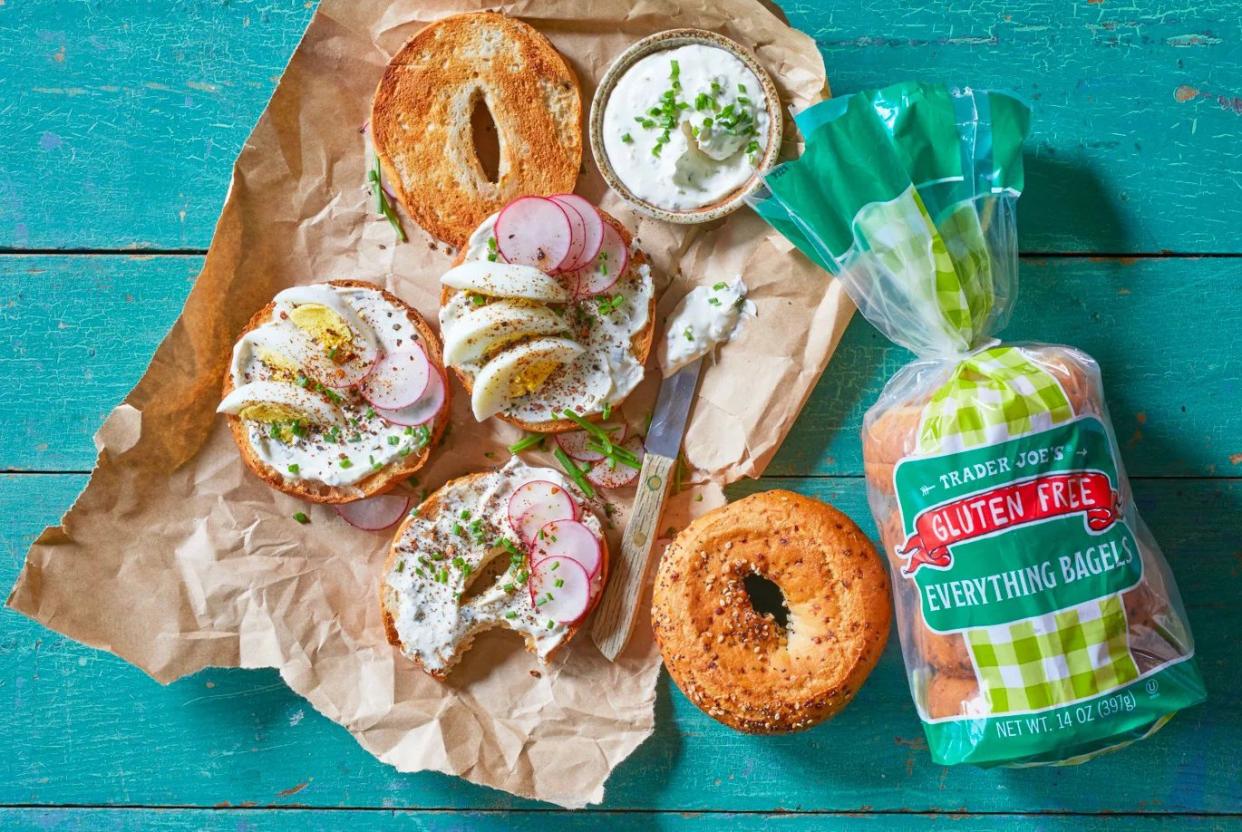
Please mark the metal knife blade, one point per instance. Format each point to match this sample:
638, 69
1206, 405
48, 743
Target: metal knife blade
672, 407
615, 619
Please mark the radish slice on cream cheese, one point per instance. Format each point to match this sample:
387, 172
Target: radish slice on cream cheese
593, 226
560, 589
533, 231
374, 513
421, 411
536, 503
575, 259
399, 379
603, 272
571, 539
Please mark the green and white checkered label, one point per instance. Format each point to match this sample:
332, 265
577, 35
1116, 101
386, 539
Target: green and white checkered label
1015, 538
1054, 659
993, 395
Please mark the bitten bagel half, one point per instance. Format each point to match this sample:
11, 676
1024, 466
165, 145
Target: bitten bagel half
640, 343
379, 481
437, 535
422, 111
741, 667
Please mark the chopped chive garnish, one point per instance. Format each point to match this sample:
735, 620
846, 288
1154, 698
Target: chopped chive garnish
294, 468
527, 442
382, 206
347, 463
575, 473
301, 517
717, 287
627, 138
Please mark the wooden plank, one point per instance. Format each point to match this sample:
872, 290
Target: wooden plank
124, 118
82, 329
96, 731
307, 820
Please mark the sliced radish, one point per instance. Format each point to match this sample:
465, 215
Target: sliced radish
533, 231
570, 539
577, 235
399, 380
374, 513
593, 226
603, 476
607, 266
575, 442
536, 503
560, 589
423, 410
355, 370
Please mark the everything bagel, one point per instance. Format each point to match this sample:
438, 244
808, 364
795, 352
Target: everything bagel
743, 668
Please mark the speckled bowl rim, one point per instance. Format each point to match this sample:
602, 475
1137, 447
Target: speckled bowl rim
671, 39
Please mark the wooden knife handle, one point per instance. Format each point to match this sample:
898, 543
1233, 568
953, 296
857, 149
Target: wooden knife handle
615, 619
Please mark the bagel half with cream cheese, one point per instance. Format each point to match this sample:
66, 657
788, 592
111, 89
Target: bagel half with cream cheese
294, 393
461, 564
536, 410
422, 111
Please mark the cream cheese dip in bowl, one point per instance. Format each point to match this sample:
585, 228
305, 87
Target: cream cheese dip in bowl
683, 125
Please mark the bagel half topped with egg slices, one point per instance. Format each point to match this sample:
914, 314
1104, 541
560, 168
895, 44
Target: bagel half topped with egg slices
336, 391
549, 308
517, 547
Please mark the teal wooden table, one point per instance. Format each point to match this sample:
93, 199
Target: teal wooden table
118, 126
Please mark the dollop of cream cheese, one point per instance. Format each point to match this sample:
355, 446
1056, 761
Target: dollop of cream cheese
706, 317
357, 441
606, 370
438, 612
686, 127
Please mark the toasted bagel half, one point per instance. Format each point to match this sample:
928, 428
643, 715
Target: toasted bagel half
421, 120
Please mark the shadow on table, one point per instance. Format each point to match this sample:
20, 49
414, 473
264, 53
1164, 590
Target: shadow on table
1065, 207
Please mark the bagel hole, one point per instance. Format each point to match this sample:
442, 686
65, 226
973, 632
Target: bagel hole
486, 139
767, 598
485, 577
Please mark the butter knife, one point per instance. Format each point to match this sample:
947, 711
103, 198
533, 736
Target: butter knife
615, 619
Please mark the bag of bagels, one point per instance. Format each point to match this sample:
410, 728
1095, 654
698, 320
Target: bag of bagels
1038, 619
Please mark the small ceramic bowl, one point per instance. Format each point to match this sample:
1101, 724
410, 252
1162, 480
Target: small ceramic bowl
671, 39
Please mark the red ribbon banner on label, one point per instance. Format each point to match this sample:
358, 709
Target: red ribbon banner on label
1054, 495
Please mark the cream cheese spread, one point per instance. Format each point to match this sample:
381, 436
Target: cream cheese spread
685, 127
274, 362
705, 317
603, 373
438, 556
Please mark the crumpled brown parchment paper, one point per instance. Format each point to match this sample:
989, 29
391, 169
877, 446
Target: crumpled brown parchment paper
176, 557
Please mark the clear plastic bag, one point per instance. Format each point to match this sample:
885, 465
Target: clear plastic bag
1038, 618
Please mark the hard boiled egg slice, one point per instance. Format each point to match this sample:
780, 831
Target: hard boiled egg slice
505, 280
334, 325
517, 371
487, 328
285, 407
